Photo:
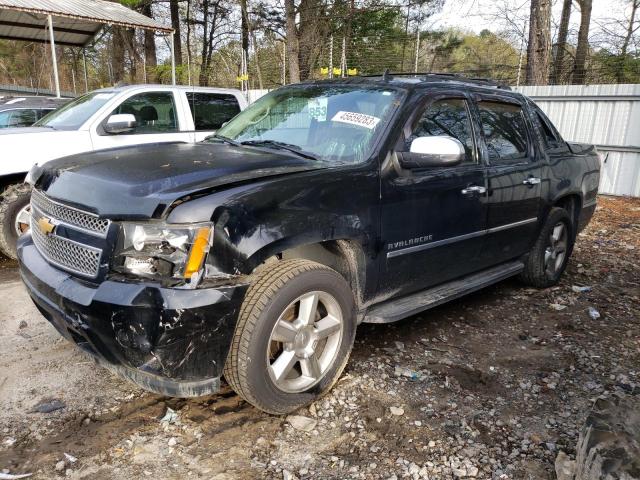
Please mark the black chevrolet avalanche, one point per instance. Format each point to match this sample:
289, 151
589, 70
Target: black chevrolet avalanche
255, 254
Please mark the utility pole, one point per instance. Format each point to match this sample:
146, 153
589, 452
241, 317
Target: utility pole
331, 57
54, 58
406, 33
415, 68
343, 62
524, 35
284, 63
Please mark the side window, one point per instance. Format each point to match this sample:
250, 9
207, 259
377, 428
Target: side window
211, 110
548, 134
155, 112
505, 131
42, 113
4, 119
448, 117
22, 118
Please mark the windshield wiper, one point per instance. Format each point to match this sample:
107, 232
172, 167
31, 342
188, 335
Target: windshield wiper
282, 146
224, 139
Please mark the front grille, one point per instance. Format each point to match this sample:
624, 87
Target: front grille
69, 215
63, 252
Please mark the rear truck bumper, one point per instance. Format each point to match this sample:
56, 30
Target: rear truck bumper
169, 341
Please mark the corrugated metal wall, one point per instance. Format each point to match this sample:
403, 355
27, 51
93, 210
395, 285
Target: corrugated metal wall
606, 115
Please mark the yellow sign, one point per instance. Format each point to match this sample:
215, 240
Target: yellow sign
242, 78
45, 225
324, 70
352, 71
336, 71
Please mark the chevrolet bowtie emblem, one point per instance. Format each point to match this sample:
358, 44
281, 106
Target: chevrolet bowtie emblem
45, 225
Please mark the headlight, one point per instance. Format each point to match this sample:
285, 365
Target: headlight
159, 250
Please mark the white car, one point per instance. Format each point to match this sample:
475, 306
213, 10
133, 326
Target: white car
107, 118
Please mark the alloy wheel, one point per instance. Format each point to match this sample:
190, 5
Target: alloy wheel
305, 341
556, 251
23, 220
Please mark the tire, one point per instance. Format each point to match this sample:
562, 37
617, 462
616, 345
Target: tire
15, 200
608, 446
276, 296
544, 266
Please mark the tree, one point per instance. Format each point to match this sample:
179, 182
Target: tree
175, 24
582, 49
631, 29
150, 55
117, 55
539, 43
561, 44
293, 48
485, 55
213, 20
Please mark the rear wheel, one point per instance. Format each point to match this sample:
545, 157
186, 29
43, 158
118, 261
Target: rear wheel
14, 216
549, 256
293, 338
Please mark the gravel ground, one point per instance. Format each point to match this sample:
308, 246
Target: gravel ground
494, 385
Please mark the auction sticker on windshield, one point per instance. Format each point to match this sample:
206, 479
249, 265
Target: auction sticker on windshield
318, 108
359, 119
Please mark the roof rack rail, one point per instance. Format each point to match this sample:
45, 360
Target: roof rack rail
439, 75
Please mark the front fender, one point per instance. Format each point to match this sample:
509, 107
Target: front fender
256, 221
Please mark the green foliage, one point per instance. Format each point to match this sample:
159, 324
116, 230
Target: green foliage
608, 67
485, 55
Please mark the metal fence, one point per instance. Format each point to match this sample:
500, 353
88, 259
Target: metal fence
605, 115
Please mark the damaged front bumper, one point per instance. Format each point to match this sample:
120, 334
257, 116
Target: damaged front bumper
166, 340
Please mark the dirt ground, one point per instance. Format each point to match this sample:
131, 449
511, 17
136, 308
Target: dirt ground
490, 386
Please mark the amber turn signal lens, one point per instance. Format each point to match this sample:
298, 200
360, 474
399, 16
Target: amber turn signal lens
198, 252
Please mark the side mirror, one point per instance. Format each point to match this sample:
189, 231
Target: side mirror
438, 151
120, 123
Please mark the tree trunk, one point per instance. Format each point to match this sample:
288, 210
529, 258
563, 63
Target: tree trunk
539, 43
309, 37
244, 29
292, 41
247, 31
561, 45
130, 44
175, 24
150, 55
117, 54
203, 78
579, 69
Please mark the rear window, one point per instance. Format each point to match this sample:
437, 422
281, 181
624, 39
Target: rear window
212, 110
505, 131
17, 118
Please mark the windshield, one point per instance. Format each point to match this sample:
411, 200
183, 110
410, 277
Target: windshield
73, 115
333, 123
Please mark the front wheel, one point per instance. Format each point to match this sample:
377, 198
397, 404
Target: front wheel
293, 338
549, 256
14, 217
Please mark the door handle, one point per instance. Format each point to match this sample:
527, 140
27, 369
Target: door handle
473, 189
531, 181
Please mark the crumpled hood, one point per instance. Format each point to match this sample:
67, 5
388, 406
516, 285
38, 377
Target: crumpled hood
133, 182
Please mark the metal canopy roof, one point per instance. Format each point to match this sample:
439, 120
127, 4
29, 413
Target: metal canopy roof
76, 22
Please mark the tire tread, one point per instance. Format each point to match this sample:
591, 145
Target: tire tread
264, 286
9, 196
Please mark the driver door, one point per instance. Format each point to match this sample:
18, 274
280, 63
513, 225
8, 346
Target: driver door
433, 219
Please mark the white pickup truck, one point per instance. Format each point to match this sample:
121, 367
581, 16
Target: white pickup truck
106, 118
